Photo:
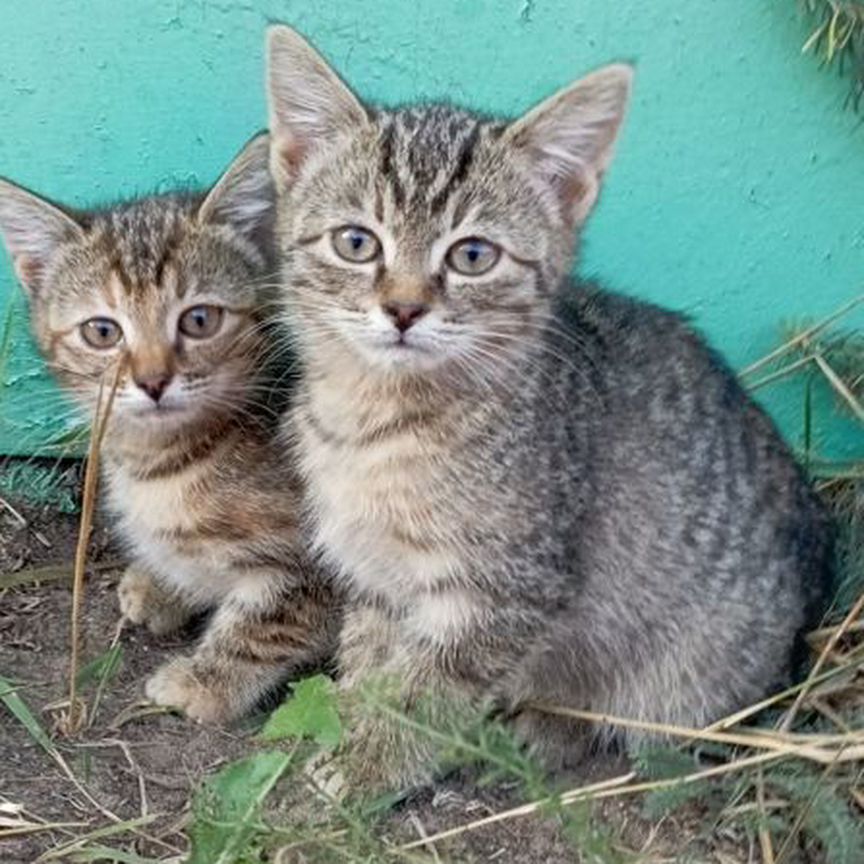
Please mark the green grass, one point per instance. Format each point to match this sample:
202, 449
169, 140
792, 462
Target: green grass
837, 39
265, 807
812, 806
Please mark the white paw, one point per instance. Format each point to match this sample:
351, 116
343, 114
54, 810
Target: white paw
133, 592
142, 601
175, 685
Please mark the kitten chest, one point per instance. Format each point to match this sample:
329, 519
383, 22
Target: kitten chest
381, 514
157, 519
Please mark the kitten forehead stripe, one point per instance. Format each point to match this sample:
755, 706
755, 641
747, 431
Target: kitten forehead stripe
463, 161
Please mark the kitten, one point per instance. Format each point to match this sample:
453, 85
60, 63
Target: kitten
200, 484
537, 491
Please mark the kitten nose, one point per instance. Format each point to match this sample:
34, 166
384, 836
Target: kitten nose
405, 315
154, 385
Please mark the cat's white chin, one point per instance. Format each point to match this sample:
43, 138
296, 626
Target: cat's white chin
394, 356
162, 417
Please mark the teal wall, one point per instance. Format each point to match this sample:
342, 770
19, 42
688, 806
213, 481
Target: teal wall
737, 194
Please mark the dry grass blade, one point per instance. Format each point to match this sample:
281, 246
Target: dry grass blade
765, 844
523, 810
114, 653
653, 785
787, 370
16, 705
137, 711
839, 385
814, 637
51, 573
24, 523
850, 618
786, 845
120, 827
36, 828
816, 748
797, 340
135, 768
13, 512
100, 423
35, 575
752, 710
424, 836
613, 788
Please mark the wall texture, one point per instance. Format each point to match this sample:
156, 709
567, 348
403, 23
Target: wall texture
736, 194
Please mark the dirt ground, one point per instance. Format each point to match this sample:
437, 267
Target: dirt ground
135, 763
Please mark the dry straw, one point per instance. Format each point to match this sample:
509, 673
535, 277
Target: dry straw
76, 712
828, 750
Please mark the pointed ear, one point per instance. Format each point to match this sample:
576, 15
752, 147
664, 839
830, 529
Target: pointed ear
244, 197
568, 139
309, 105
32, 229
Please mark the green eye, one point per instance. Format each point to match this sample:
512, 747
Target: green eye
201, 322
355, 244
101, 332
473, 256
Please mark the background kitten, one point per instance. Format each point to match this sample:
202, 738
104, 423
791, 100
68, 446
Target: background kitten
203, 492
537, 491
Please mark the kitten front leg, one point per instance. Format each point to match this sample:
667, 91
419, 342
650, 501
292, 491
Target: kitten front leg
254, 643
145, 600
394, 692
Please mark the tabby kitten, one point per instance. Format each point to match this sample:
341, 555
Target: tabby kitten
537, 491
201, 487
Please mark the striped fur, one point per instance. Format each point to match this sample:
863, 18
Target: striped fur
540, 491
203, 491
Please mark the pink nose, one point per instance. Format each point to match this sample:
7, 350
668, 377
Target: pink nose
405, 315
154, 385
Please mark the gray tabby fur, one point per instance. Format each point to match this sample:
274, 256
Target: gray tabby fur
545, 492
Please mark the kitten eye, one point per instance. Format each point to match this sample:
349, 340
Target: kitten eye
201, 322
355, 244
472, 257
101, 332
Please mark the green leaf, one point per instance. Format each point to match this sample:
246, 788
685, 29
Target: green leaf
827, 817
227, 807
311, 712
18, 707
661, 802
664, 763
838, 831
102, 668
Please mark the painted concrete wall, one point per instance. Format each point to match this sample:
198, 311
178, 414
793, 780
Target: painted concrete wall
736, 196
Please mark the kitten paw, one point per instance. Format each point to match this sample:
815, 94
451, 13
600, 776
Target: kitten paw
143, 601
175, 685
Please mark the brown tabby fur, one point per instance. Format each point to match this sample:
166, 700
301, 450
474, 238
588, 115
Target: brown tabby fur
203, 492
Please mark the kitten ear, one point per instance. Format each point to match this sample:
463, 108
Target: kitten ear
309, 104
244, 196
569, 137
32, 229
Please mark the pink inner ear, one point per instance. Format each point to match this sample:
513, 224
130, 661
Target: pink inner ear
577, 192
28, 271
574, 187
290, 153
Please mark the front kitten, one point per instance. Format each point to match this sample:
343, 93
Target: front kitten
537, 491
202, 488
